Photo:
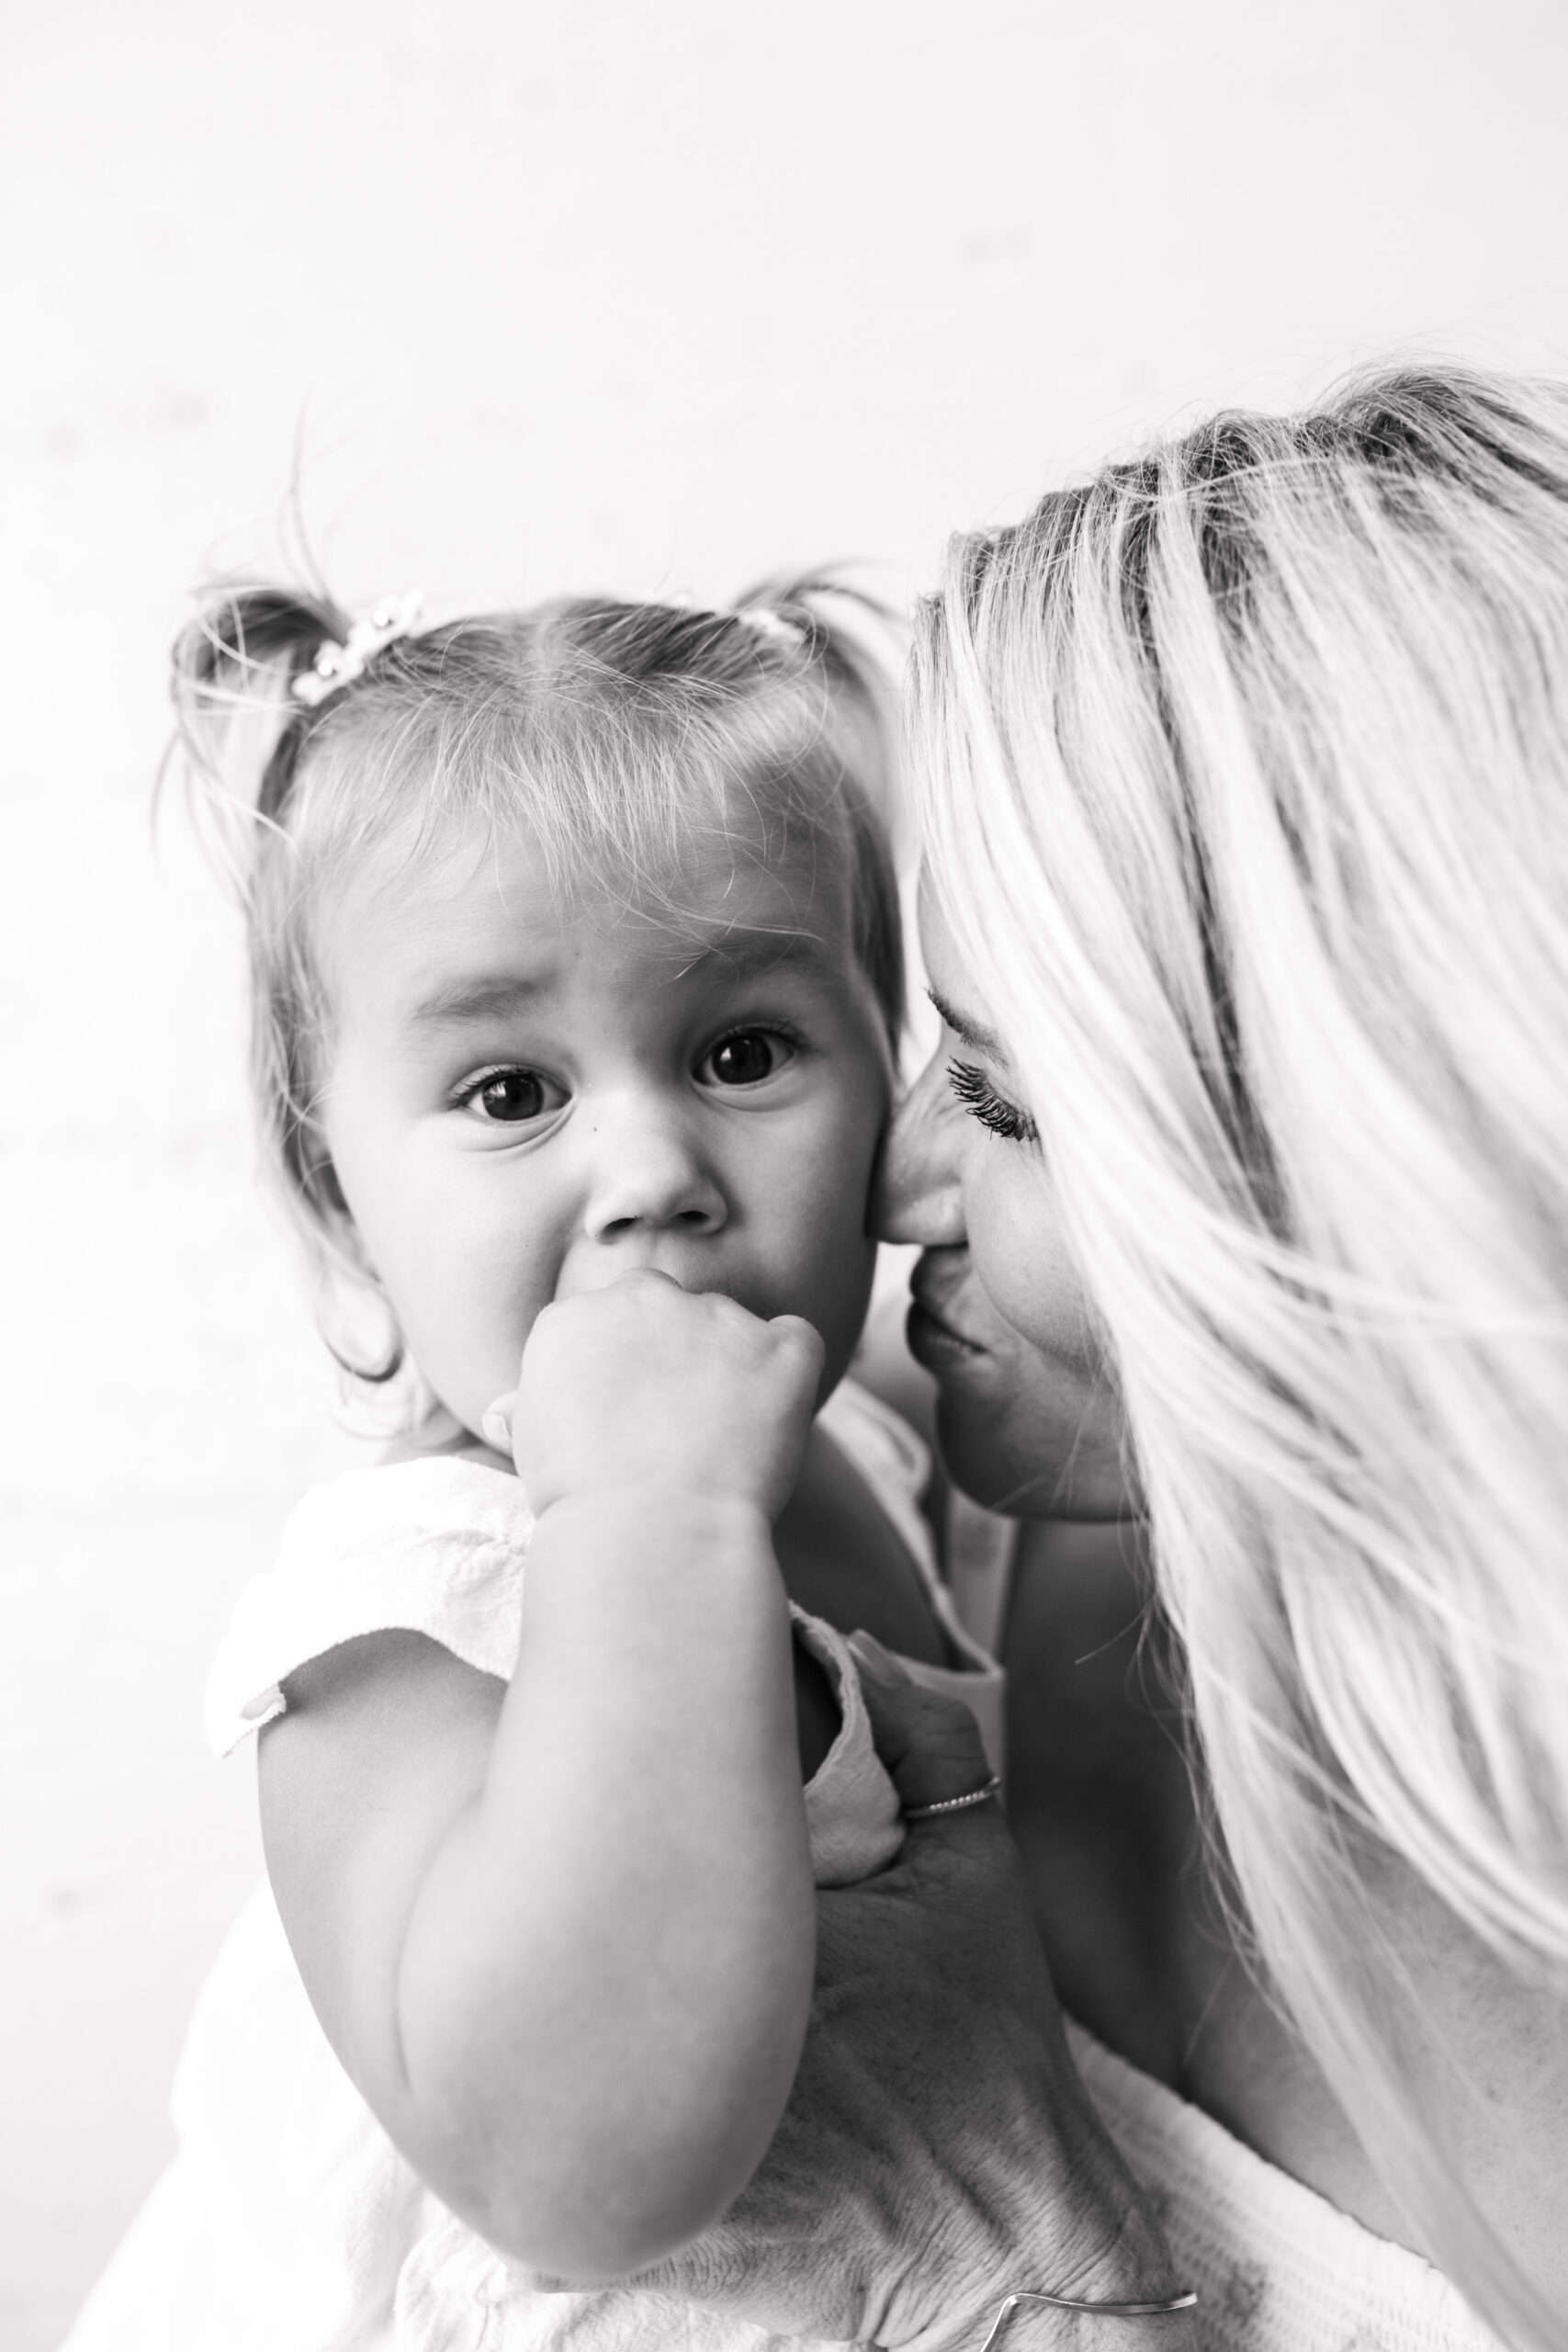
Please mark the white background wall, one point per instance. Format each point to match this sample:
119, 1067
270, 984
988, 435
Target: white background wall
644, 294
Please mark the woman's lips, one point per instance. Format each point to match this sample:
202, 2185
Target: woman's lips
932, 1341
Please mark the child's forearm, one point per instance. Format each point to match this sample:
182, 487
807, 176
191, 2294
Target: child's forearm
562, 1936
605, 1983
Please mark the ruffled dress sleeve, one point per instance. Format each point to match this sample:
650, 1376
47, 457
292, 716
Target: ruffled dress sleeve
438, 1546
434, 1546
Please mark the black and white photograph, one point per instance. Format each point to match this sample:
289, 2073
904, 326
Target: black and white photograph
784, 943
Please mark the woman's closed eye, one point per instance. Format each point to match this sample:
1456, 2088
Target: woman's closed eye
746, 1058
509, 1095
982, 1101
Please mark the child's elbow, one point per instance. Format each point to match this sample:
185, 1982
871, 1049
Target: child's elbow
594, 2231
611, 2166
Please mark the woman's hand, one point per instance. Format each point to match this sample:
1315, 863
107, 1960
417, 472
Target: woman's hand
939, 2151
644, 1386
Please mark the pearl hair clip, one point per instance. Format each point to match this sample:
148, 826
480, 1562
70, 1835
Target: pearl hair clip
335, 664
768, 623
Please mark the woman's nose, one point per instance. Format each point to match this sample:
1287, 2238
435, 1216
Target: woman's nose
647, 1176
918, 1195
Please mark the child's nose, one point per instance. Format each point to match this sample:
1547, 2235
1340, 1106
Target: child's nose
919, 1194
649, 1175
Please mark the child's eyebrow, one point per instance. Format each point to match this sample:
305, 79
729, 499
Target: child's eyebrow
742, 953
479, 998
748, 952
985, 1041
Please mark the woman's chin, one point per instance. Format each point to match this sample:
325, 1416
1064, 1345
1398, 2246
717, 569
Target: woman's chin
1016, 1436
979, 1460
1028, 1432
1006, 1468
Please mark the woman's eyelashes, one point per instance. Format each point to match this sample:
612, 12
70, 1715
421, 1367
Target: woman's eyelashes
745, 1058
509, 1095
982, 1101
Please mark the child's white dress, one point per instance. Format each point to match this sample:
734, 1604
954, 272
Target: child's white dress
288, 2223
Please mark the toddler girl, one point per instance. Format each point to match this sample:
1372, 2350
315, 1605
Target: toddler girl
577, 975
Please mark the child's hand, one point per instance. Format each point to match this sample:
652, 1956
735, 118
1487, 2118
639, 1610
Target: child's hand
644, 1385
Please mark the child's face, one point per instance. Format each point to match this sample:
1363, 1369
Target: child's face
525, 1099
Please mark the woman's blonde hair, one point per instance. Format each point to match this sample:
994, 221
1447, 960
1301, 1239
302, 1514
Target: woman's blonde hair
1247, 778
634, 743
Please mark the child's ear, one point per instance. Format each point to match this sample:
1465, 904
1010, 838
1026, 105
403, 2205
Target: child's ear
331, 1204
349, 1288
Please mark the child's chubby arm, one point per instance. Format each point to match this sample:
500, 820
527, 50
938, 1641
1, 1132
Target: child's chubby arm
561, 1934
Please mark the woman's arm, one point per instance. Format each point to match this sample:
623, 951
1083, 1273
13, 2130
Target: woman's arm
561, 1936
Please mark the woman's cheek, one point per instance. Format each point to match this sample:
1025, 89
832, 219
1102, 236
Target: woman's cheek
1019, 1257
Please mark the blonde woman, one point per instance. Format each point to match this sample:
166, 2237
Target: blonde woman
1245, 781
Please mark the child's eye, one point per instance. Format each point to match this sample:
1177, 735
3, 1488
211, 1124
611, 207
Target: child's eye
745, 1058
509, 1097
980, 1099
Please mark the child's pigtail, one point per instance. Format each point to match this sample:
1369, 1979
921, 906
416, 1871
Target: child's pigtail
818, 625
856, 644
243, 731
241, 726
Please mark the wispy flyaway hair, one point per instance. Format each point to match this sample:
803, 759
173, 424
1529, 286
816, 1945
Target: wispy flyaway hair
634, 743
1246, 774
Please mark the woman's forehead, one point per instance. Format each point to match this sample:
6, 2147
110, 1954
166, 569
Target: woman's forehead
950, 985
939, 950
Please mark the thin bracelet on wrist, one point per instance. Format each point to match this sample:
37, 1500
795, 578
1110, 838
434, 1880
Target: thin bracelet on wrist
1010, 2303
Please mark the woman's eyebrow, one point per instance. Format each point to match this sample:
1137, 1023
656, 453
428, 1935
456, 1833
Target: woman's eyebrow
985, 1041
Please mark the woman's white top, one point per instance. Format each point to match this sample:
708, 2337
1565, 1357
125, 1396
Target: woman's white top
1278, 2269
288, 2223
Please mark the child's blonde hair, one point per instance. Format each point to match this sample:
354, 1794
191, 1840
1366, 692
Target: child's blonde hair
1246, 767
632, 740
